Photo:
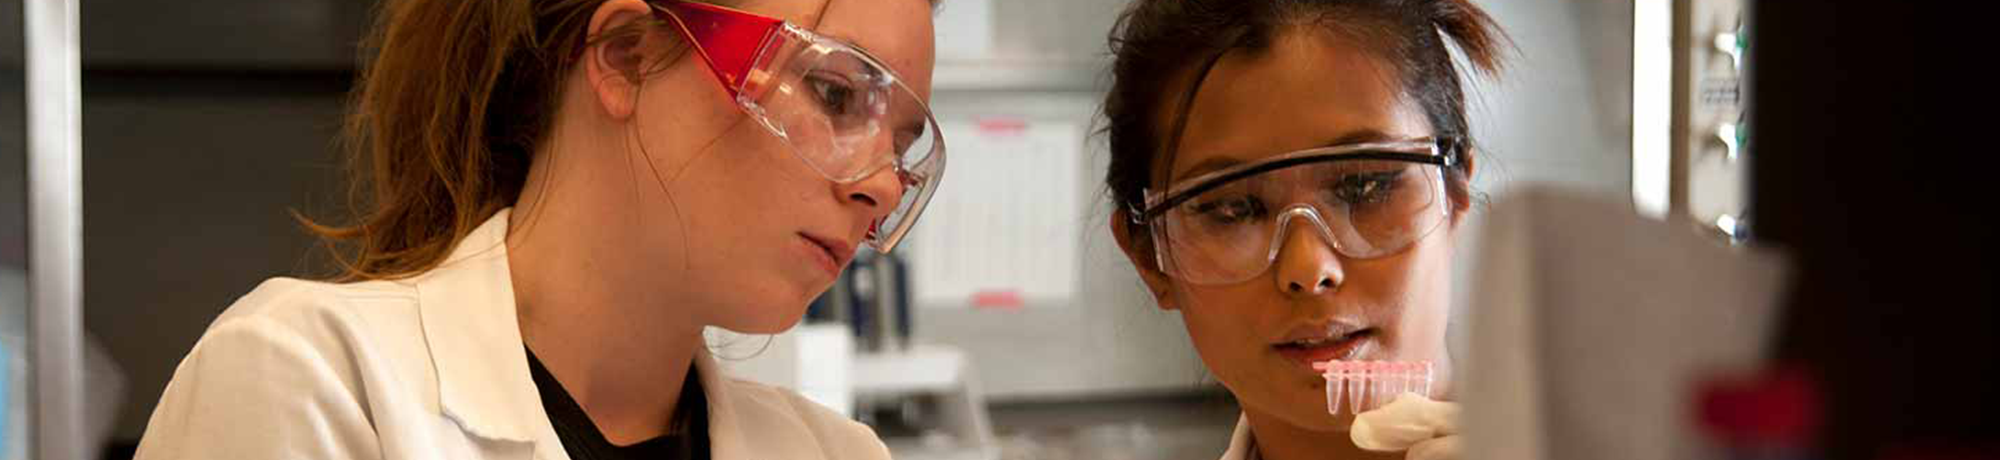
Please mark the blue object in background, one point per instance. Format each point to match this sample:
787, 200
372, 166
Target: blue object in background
6, 364
901, 271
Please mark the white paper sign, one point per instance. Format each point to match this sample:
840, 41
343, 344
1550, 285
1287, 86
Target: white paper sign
1004, 228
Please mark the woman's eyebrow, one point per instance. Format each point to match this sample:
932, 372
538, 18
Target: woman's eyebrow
1216, 163
1358, 136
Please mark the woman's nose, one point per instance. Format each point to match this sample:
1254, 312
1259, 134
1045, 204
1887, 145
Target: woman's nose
1307, 263
877, 194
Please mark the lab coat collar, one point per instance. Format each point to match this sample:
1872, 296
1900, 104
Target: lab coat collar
469, 323
725, 437
1241, 445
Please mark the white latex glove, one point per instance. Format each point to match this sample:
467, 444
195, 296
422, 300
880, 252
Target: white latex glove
1440, 448
1422, 428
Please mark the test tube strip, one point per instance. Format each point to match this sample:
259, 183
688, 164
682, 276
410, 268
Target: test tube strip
1399, 379
1377, 379
1336, 379
1424, 377
1357, 387
1360, 386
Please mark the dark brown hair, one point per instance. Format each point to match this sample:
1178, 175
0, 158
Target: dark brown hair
1156, 41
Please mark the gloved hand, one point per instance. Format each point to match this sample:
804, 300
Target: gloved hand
1421, 428
1440, 448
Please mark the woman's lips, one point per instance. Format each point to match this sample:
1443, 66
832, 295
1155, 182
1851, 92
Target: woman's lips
821, 255
1344, 347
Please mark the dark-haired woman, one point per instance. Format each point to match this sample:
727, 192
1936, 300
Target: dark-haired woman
1289, 175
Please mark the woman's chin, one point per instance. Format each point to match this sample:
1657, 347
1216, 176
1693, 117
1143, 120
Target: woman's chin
770, 320
1308, 412
1320, 420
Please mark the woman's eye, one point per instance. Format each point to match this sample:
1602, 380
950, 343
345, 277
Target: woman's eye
1366, 188
835, 96
1229, 211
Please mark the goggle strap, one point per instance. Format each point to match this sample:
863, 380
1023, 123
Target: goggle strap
710, 26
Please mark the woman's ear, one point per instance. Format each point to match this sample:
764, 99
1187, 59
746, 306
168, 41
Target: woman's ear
615, 66
1461, 197
1140, 252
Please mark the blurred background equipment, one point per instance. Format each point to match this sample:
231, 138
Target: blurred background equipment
1593, 323
1858, 176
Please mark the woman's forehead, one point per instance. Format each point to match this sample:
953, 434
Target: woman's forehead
897, 32
1306, 90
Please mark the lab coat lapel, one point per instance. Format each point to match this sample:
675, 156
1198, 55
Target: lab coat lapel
725, 433
751, 433
1241, 445
469, 323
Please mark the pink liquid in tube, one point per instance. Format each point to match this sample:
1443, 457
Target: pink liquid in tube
1361, 386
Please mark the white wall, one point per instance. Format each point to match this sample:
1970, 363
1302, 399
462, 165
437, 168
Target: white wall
1560, 114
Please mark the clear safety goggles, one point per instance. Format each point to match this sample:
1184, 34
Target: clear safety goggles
840, 110
1366, 200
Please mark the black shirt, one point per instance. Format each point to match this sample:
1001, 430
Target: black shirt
688, 441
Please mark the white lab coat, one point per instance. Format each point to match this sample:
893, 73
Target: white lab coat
1241, 445
430, 367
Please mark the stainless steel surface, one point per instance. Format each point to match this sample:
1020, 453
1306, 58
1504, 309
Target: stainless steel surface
884, 335
1652, 107
55, 227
